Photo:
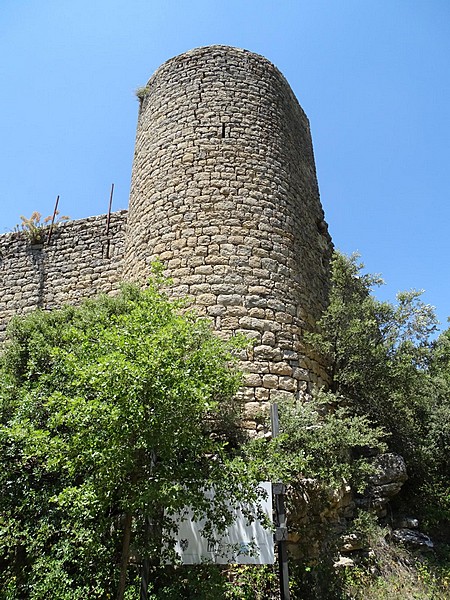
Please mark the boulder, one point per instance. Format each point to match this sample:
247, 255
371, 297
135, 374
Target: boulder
390, 468
344, 561
406, 523
412, 539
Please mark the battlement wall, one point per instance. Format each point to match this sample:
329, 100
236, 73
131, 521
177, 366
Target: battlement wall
81, 260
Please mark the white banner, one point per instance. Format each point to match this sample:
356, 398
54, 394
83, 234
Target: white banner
241, 543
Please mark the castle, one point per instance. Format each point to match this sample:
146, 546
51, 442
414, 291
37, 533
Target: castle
224, 193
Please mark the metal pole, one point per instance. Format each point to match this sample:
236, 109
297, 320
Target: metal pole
274, 420
108, 218
279, 490
55, 212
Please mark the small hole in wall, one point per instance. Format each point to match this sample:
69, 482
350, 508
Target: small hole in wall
223, 130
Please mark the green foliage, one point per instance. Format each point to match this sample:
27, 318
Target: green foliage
387, 370
110, 414
202, 582
437, 441
382, 356
365, 526
116, 414
318, 455
317, 440
213, 582
393, 573
258, 582
141, 92
35, 228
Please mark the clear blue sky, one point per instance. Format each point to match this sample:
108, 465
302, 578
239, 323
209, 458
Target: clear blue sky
372, 75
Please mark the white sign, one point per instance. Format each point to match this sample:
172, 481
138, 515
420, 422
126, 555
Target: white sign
241, 543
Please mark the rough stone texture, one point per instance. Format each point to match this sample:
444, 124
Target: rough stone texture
413, 539
224, 193
391, 468
402, 522
317, 516
320, 514
80, 261
386, 483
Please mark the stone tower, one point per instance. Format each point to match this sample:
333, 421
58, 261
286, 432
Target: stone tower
224, 193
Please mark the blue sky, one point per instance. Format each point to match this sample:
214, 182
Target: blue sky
372, 75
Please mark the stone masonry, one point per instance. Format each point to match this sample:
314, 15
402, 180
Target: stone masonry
80, 261
224, 193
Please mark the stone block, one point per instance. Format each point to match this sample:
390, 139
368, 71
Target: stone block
252, 379
206, 299
229, 299
270, 381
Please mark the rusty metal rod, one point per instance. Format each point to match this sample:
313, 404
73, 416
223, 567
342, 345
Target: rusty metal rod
55, 212
108, 219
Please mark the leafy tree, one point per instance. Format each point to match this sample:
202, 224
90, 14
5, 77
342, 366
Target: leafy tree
113, 416
437, 441
316, 441
379, 353
387, 375
117, 414
318, 456
386, 366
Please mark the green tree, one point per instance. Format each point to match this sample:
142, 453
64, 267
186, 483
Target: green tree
318, 456
387, 375
386, 366
437, 441
379, 353
113, 416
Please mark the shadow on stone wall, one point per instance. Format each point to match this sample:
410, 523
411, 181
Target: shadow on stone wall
37, 259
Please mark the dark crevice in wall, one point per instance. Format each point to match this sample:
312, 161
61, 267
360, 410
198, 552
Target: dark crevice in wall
37, 258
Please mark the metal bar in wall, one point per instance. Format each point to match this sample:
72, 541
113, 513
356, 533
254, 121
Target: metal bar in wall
281, 530
108, 218
55, 212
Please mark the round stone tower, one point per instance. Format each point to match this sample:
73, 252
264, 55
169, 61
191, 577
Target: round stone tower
224, 193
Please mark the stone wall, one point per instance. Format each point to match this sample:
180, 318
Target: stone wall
224, 192
81, 260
